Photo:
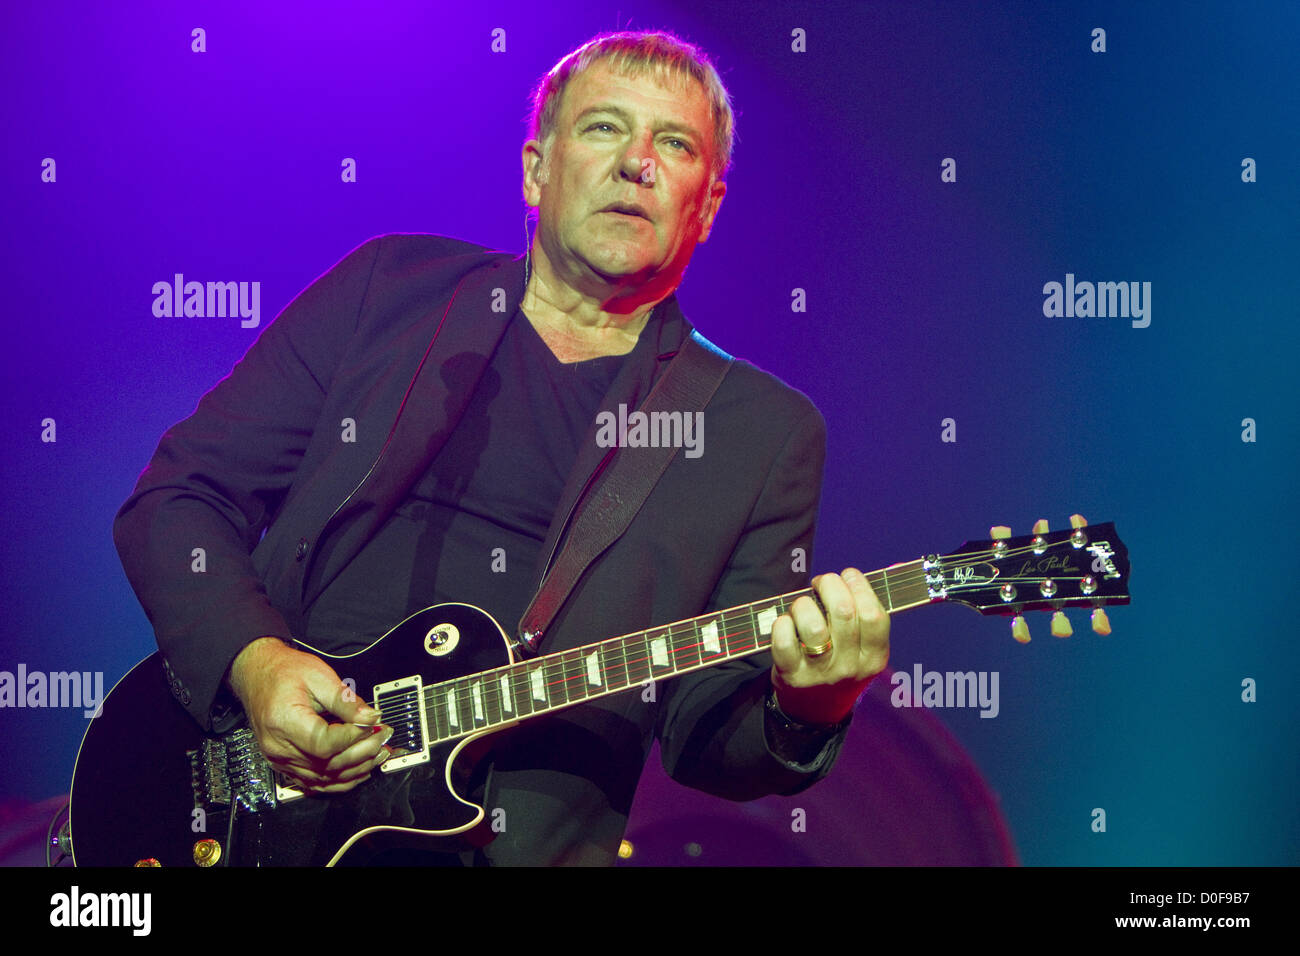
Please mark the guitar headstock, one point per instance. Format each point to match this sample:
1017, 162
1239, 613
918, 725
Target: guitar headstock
1083, 566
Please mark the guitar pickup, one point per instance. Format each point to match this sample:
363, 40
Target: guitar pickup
401, 702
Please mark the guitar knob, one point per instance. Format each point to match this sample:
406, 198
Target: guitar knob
207, 853
147, 861
1061, 625
1100, 623
1019, 629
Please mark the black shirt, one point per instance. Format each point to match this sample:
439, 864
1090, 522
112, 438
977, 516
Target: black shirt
471, 529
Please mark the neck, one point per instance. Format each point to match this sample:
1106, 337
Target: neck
587, 305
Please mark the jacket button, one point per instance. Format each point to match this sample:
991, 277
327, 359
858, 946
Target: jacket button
301, 551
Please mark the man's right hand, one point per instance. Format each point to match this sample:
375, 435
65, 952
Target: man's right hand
285, 692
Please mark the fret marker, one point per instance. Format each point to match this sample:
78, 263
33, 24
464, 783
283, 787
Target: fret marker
507, 699
539, 688
709, 632
766, 618
452, 717
476, 691
659, 652
593, 668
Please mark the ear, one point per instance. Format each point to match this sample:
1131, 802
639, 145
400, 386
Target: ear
535, 172
709, 212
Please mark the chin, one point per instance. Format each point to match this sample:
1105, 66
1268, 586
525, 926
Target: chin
620, 266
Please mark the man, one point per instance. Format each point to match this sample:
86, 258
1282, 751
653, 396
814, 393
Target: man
479, 442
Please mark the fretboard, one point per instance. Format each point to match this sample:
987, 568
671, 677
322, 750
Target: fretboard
538, 686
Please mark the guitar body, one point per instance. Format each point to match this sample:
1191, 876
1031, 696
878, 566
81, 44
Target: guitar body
150, 785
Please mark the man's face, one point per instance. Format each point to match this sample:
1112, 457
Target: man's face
627, 143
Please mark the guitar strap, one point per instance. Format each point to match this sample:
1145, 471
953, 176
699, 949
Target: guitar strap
624, 483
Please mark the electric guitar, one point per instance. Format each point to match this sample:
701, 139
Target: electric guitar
150, 788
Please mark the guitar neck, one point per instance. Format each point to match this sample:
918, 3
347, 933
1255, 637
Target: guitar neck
540, 685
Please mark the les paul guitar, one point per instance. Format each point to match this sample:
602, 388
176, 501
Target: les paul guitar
149, 788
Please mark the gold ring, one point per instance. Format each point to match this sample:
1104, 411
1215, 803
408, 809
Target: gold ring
817, 651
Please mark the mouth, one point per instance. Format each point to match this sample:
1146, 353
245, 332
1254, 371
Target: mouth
631, 210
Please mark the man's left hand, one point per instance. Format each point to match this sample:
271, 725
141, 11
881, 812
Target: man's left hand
821, 688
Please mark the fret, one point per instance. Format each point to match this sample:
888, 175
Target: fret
447, 708
686, 646
661, 662
912, 587
464, 707
505, 694
886, 599
518, 677
613, 662
574, 669
595, 676
735, 633
764, 618
636, 659
553, 669
437, 719
710, 639
539, 694
477, 711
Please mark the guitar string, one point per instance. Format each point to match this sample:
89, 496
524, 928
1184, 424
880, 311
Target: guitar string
565, 666
490, 710
560, 671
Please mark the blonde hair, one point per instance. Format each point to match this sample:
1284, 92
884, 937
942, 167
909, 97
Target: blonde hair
639, 53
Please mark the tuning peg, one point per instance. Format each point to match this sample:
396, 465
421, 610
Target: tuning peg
1040, 526
1100, 623
1019, 629
999, 532
1061, 625
1078, 521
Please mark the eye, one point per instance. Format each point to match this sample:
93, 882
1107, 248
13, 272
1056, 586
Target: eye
681, 145
608, 126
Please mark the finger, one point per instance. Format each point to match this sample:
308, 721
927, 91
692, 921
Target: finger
338, 698
786, 654
873, 621
324, 742
319, 777
364, 751
314, 784
811, 626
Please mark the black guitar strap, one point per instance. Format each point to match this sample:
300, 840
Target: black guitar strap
686, 386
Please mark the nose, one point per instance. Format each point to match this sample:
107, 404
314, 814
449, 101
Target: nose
639, 160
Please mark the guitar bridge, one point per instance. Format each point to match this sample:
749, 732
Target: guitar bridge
231, 769
401, 702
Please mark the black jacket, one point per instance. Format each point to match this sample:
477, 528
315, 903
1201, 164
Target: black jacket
394, 337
